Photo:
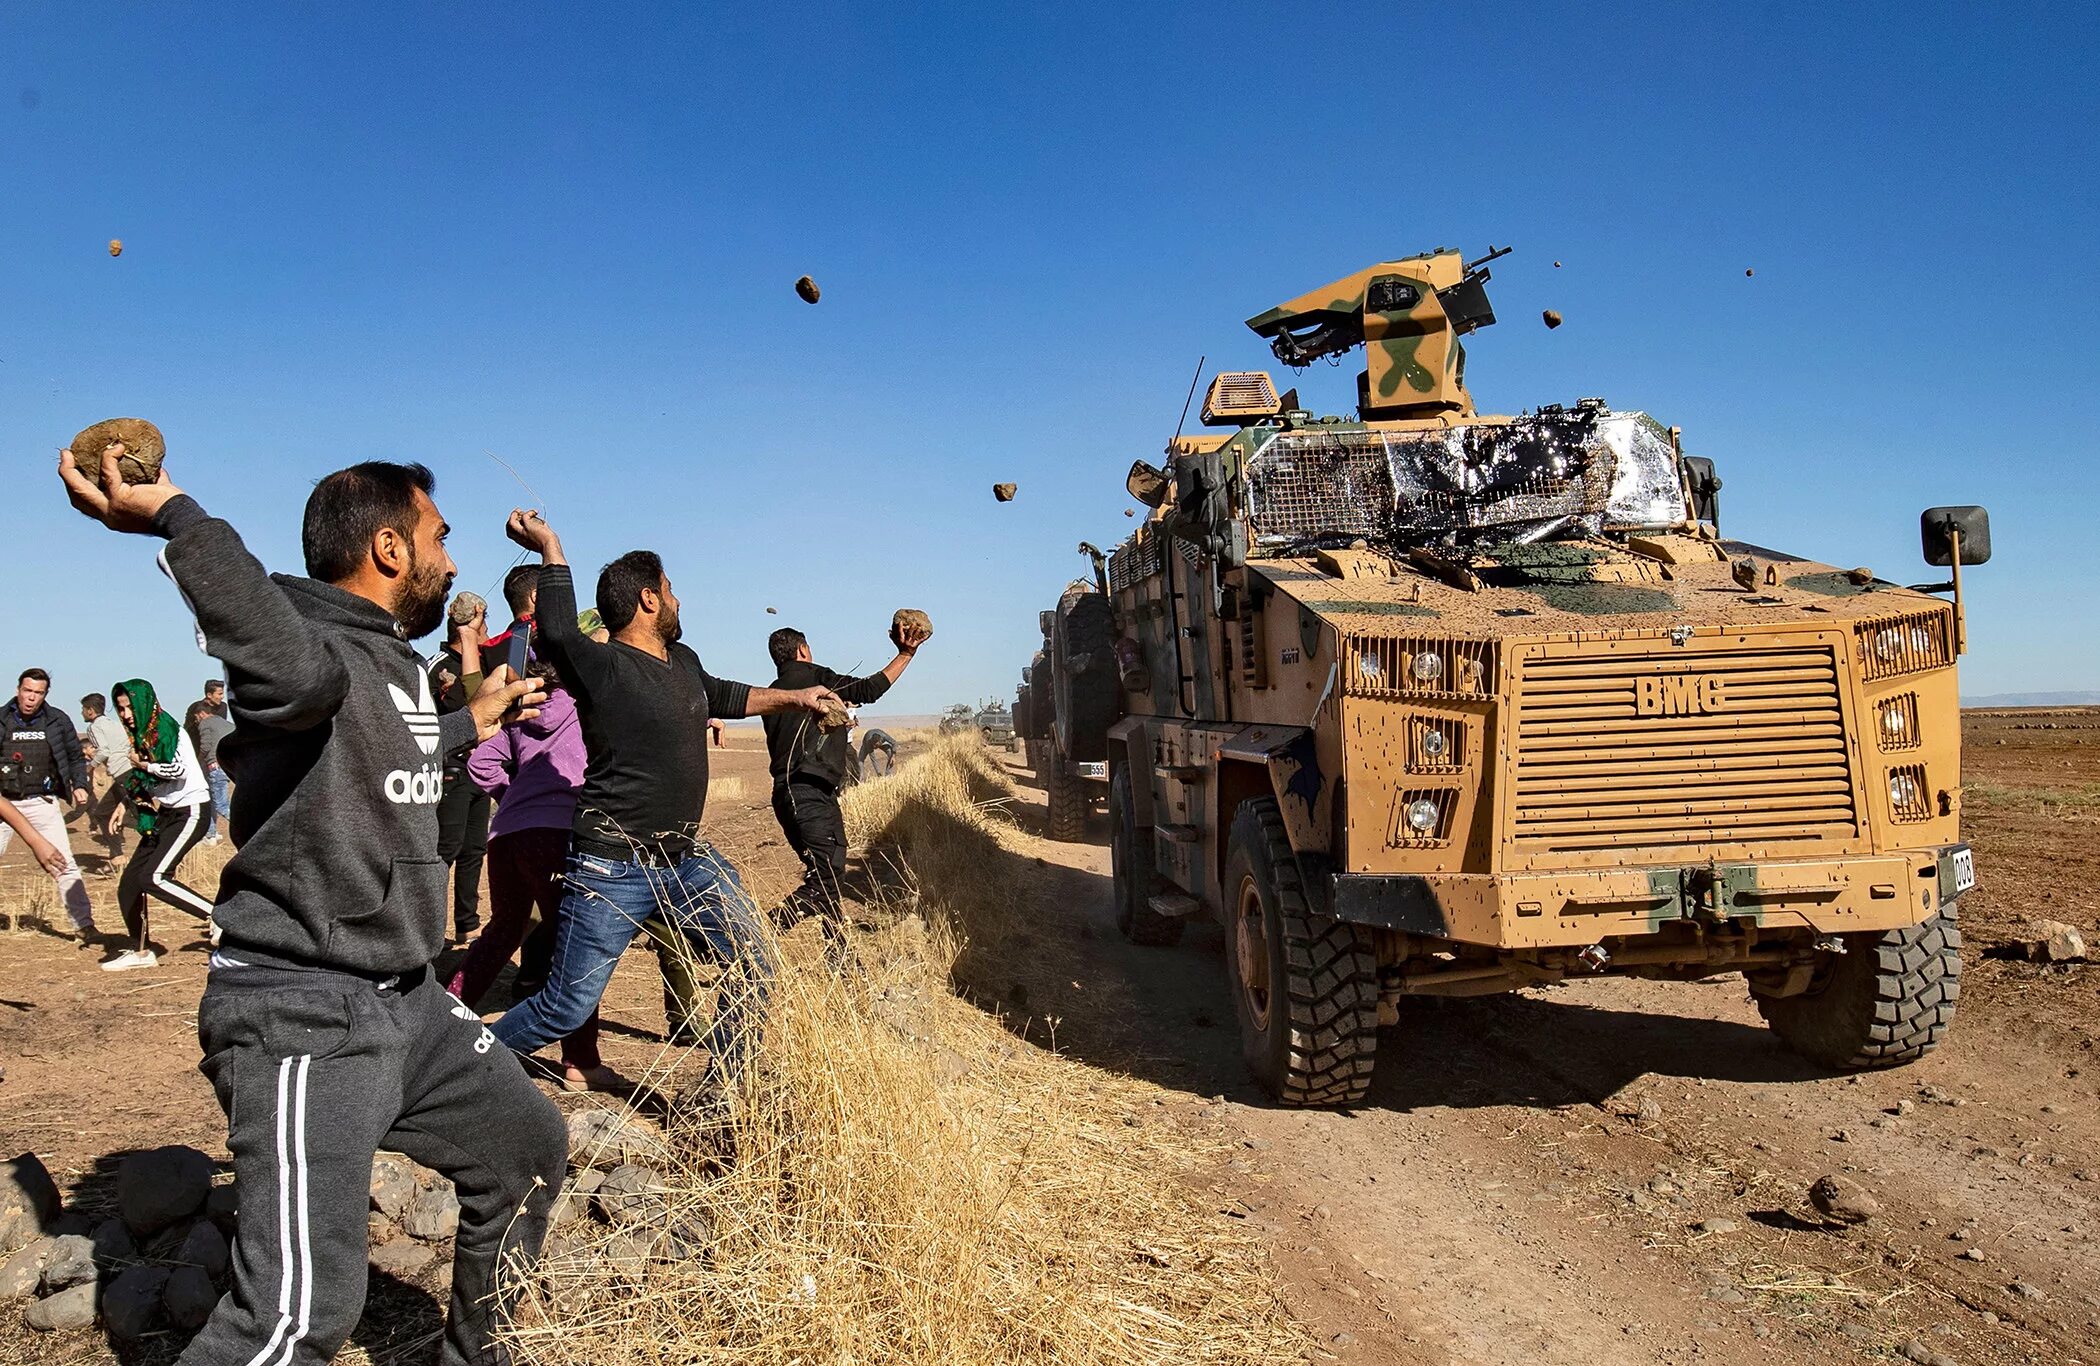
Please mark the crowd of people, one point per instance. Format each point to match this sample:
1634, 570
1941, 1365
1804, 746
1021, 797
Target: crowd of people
359, 784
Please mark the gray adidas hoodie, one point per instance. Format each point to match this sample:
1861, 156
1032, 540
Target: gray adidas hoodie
336, 757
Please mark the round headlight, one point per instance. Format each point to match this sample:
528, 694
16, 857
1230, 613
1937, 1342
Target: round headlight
1888, 642
1892, 720
1903, 790
1421, 816
1434, 745
1428, 667
1367, 664
1921, 641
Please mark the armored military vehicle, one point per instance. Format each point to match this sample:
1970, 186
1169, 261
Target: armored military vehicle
1420, 702
996, 724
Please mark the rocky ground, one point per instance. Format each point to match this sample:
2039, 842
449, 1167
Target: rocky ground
1616, 1172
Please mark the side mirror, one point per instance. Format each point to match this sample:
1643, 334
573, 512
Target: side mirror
1939, 527
1705, 488
1146, 483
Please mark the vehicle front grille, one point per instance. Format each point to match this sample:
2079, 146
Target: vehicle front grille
1673, 748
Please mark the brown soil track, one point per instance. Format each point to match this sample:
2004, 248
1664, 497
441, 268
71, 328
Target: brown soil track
1490, 1202
1497, 1199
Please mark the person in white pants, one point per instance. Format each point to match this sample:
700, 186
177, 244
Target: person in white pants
40, 761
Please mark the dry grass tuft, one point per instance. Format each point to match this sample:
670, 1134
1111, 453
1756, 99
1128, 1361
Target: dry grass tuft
913, 1183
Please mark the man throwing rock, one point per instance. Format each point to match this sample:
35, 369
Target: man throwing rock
644, 702
324, 1033
809, 765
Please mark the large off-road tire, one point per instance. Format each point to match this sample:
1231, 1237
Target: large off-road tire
1069, 800
1086, 695
1133, 878
1885, 1001
1305, 987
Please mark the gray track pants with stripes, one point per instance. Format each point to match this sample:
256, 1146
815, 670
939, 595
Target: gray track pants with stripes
316, 1071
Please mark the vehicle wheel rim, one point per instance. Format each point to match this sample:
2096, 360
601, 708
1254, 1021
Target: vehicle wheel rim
1250, 946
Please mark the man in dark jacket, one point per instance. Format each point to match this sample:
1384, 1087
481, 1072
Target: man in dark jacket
324, 1033
41, 764
809, 764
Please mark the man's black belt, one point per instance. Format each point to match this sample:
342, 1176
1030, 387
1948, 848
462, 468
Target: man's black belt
663, 855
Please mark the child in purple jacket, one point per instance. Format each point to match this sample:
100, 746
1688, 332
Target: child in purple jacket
534, 770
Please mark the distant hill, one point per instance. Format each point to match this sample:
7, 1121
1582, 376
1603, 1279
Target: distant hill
2034, 699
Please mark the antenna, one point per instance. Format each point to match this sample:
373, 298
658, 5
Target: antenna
1194, 380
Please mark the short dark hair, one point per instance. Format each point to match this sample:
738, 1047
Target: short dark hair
782, 645
94, 701
348, 508
211, 683
518, 587
38, 674
620, 586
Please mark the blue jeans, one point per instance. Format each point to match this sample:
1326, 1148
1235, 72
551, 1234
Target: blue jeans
607, 904
216, 777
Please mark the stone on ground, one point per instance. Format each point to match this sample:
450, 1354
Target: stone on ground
403, 1257
131, 1305
72, 1262
189, 1297
204, 1246
601, 1138
23, 1271
2052, 941
393, 1184
161, 1187
433, 1215
630, 1195
29, 1202
71, 1308
1842, 1200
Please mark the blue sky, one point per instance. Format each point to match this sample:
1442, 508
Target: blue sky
429, 232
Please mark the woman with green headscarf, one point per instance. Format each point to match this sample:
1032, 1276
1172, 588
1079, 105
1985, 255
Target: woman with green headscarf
169, 787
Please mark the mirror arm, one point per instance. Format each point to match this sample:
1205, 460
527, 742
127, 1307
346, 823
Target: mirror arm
1961, 618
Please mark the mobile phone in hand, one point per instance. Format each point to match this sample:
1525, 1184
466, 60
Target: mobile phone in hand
520, 638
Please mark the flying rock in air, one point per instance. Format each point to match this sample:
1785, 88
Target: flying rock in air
1552, 318
1005, 492
807, 288
116, 246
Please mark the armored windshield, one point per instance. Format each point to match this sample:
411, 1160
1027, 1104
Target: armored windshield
1554, 474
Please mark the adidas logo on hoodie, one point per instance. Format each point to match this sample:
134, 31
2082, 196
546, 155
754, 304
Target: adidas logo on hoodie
423, 786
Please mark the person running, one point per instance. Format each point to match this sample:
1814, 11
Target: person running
174, 805
643, 700
325, 1033
41, 762
810, 765
113, 756
533, 771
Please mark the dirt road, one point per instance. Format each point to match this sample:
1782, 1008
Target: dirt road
1615, 1171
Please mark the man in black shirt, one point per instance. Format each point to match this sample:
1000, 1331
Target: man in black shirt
636, 854
809, 765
